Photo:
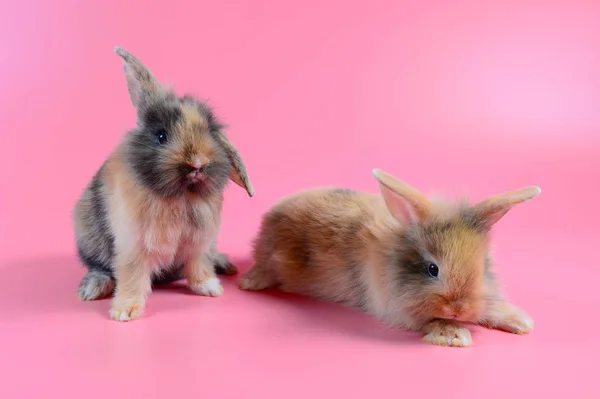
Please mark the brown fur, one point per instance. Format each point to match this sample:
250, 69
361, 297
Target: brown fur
367, 251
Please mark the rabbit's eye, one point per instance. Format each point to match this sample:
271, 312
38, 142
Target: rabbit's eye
433, 270
162, 136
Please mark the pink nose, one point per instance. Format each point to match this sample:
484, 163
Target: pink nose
452, 312
196, 163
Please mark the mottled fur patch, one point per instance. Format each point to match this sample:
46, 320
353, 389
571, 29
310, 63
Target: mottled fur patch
188, 128
95, 240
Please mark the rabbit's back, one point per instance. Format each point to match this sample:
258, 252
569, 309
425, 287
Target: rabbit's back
316, 243
94, 237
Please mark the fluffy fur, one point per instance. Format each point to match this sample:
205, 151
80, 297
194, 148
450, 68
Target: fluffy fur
375, 253
151, 214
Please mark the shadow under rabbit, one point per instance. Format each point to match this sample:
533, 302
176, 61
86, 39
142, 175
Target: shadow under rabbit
35, 287
312, 314
161, 301
180, 286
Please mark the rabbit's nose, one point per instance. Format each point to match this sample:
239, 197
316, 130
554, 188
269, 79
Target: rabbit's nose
196, 163
453, 311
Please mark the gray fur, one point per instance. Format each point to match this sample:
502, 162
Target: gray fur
95, 285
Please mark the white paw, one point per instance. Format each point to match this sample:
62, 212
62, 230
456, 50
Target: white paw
211, 287
517, 323
126, 312
449, 335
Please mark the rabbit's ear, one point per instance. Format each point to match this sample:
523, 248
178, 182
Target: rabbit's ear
405, 203
140, 81
492, 209
239, 175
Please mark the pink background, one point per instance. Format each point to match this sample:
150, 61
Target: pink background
472, 97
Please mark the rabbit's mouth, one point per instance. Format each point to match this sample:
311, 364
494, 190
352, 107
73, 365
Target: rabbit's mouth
196, 176
197, 182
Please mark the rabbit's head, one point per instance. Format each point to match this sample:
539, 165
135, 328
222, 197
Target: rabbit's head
178, 145
440, 252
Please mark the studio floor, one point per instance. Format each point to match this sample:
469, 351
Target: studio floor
270, 345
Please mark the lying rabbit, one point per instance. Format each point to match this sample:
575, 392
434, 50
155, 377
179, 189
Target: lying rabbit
410, 262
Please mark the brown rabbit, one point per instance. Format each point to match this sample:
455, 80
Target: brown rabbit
151, 214
408, 261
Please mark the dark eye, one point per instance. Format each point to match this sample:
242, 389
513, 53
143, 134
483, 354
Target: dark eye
433, 270
162, 136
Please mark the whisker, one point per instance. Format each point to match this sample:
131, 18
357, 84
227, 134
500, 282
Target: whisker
142, 144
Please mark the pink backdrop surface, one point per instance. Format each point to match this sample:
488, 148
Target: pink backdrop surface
474, 97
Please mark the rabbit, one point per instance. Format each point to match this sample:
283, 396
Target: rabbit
414, 263
151, 213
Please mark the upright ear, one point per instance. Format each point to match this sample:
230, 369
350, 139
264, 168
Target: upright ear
492, 209
238, 170
140, 82
405, 203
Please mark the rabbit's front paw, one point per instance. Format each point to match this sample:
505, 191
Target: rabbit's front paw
210, 287
126, 311
518, 323
506, 317
447, 333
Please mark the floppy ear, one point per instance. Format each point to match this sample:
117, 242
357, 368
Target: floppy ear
238, 170
492, 209
140, 81
405, 203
